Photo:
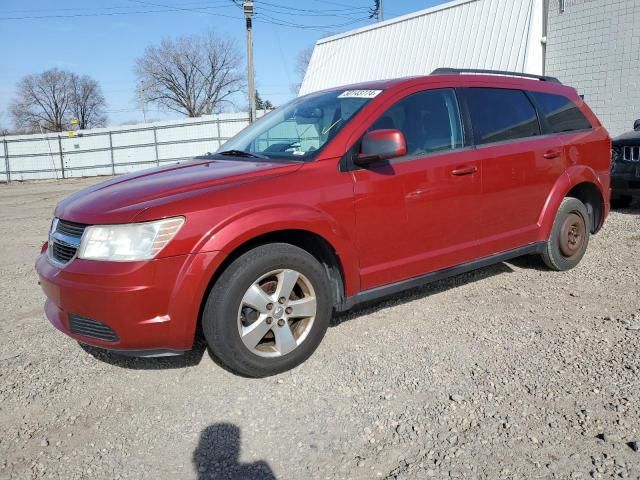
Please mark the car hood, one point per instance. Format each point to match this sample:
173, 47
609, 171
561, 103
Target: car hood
121, 199
627, 138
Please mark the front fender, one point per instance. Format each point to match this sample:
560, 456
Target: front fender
573, 176
247, 225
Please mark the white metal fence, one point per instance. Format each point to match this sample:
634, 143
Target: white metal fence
112, 151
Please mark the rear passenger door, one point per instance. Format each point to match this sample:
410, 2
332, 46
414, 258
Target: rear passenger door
519, 165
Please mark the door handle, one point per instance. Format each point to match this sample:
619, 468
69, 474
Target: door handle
465, 170
552, 154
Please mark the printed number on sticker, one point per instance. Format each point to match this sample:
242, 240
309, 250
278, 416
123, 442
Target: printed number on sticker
359, 94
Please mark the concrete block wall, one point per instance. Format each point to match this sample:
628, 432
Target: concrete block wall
594, 45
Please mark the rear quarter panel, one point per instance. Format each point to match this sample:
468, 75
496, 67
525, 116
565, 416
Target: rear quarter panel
588, 160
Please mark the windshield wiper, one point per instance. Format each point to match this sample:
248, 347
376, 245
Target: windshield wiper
242, 153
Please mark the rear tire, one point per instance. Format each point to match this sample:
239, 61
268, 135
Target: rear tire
268, 311
569, 237
621, 201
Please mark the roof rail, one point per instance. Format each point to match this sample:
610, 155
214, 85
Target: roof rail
456, 71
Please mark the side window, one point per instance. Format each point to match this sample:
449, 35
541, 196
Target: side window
500, 114
561, 114
429, 120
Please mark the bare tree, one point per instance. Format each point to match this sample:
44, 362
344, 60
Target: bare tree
3, 130
47, 101
302, 62
192, 75
87, 102
42, 101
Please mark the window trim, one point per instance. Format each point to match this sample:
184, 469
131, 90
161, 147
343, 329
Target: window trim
547, 128
309, 156
476, 142
347, 163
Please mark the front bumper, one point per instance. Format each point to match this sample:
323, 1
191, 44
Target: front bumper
152, 306
625, 178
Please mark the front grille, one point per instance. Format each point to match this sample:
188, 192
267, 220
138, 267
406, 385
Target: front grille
631, 153
62, 253
90, 328
65, 240
71, 228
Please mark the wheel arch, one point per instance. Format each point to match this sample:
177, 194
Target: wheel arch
590, 195
579, 182
340, 271
311, 242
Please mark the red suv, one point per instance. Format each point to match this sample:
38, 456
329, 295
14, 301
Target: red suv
337, 198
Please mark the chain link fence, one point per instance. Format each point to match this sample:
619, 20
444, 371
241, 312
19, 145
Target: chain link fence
113, 151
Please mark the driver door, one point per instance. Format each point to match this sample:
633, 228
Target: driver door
420, 212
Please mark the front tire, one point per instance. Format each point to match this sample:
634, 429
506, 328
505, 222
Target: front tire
268, 311
569, 237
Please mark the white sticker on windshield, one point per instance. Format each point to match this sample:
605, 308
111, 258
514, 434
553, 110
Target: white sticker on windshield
360, 94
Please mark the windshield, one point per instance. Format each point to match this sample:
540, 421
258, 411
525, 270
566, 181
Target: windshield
299, 129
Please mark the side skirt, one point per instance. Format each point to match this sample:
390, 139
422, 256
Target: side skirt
384, 291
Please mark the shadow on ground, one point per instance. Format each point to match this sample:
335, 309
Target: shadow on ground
217, 456
189, 359
421, 292
633, 209
530, 262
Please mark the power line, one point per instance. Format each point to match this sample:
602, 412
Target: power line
121, 7
310, 11
196, 10
320, 28
305, 14
328, 2
163, 9
270, 19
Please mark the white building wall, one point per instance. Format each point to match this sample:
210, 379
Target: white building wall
488, 34
594, 45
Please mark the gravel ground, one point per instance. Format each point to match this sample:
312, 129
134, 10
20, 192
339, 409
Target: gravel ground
508, 372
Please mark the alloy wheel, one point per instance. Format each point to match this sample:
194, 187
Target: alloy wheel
277, 313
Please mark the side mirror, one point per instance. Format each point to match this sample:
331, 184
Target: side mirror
381, 145
636, 125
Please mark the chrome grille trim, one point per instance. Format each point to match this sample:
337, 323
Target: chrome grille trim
631, 153
64, 241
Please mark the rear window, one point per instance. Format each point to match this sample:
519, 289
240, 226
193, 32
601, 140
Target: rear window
500, 114
561, 114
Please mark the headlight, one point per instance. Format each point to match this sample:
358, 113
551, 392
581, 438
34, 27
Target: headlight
128, 242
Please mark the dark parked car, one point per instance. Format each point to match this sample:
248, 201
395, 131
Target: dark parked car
625, 168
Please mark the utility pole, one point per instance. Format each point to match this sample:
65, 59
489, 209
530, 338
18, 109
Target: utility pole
247, 6
377, 11
141, 99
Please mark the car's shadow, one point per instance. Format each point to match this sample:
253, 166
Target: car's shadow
194, 356
188, 359
420, 292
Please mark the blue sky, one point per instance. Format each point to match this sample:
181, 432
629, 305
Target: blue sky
103, 38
